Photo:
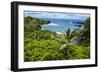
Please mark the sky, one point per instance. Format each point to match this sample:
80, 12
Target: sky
57, 15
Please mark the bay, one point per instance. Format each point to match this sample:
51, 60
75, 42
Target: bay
62, 25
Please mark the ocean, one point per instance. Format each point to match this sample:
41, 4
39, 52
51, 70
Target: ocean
62, 25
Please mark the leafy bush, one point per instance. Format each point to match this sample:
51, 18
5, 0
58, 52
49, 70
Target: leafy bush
41, 34
85, 33
76, 52
42, 50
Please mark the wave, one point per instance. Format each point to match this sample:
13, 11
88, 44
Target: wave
51, 24
60, 32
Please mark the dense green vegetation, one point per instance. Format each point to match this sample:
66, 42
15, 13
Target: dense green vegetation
42, 45
32, 24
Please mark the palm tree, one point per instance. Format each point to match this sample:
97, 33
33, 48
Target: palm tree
69, 35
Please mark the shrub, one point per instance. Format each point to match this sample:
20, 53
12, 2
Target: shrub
42, 50
76, 52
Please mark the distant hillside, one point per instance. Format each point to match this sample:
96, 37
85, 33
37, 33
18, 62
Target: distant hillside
31, 24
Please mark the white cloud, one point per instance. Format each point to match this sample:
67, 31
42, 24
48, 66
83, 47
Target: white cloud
57, 15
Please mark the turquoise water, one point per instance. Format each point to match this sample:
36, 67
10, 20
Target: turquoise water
61, 25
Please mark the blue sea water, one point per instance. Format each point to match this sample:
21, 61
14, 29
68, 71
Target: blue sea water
61, 25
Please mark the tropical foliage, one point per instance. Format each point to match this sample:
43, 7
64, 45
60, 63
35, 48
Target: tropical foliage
42, 45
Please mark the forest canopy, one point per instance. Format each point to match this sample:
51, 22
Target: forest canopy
43, 45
